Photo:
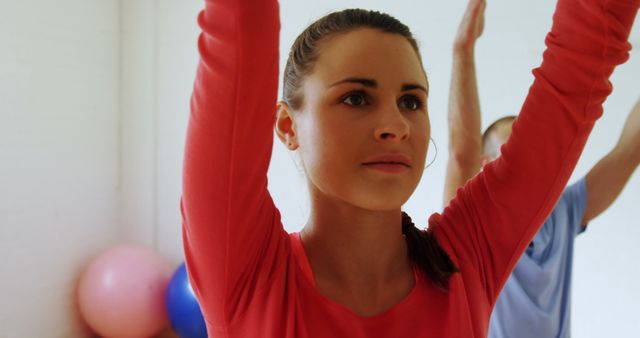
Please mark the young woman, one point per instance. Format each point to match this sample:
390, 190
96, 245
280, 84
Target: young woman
354, 107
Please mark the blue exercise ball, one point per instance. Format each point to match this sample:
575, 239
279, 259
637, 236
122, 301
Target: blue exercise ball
183, 308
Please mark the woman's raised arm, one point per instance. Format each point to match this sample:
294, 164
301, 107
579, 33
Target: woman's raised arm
233, 238
495, 215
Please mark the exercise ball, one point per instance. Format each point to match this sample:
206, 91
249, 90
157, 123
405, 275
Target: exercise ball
183, 308
121, 292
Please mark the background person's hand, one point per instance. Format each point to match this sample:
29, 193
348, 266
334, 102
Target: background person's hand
471, 26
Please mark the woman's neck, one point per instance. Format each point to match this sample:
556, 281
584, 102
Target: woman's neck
357, 253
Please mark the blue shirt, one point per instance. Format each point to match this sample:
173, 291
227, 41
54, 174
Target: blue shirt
536, 300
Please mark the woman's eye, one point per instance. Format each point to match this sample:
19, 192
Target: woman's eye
410, 102
355, 99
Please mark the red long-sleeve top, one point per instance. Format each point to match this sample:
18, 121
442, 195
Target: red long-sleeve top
253, 279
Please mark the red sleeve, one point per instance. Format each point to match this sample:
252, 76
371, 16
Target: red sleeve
233, 238
494, 216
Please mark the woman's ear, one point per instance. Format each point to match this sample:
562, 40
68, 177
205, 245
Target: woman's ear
285, 126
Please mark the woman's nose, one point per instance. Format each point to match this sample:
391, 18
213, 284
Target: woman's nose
393, 126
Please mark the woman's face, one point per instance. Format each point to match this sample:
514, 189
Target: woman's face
363, 128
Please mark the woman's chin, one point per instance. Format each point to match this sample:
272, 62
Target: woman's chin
382, 202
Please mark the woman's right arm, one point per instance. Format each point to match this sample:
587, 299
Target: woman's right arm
233, 239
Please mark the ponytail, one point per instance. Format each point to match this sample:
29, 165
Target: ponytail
427, 254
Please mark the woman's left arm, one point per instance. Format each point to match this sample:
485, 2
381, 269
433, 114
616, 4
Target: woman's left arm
493, 218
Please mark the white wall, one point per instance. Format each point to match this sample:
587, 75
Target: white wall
58, 157
159, 59
138, 122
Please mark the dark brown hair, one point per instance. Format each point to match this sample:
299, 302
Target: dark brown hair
306, 48
424, 250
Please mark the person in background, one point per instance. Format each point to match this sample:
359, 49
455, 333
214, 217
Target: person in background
536, 300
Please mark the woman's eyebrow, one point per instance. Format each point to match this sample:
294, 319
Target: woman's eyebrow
371, 83
365, 82
412, 86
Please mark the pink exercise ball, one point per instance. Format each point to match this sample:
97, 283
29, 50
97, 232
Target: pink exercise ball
121, 293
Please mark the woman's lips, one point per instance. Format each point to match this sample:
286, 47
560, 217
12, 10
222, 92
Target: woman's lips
387, 167
389, 163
